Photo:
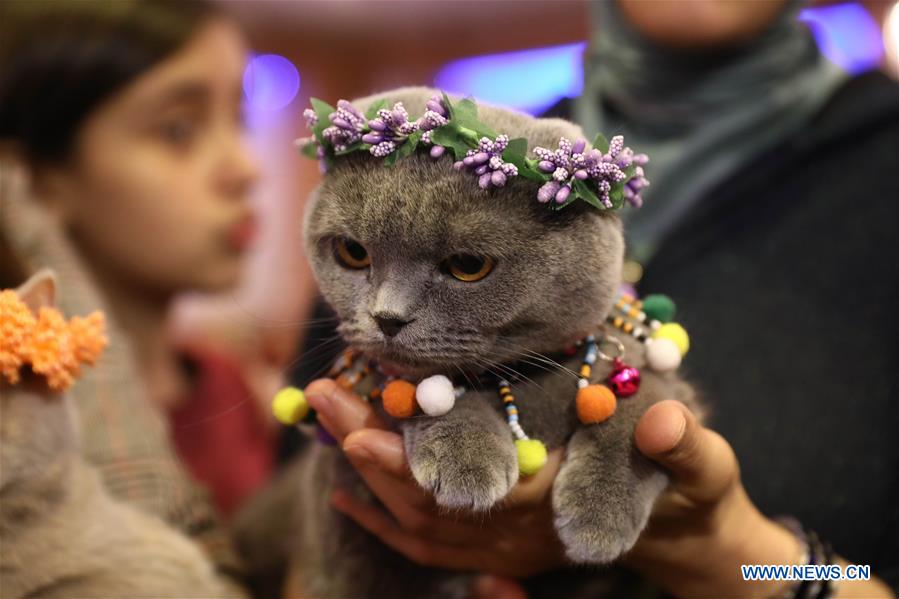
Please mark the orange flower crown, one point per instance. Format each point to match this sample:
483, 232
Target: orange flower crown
50, 345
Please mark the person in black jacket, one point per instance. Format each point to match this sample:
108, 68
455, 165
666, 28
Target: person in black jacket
772, 222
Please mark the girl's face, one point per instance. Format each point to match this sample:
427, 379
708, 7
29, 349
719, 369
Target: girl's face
156, 195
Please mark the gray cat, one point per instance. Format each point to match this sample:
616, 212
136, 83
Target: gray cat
381, 241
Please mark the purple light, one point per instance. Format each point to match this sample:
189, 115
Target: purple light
270, 82
847, 35
529, 80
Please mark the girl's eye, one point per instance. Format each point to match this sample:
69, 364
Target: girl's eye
351, 254
178, 132
469, 268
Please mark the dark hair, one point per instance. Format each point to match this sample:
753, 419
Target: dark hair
59, 60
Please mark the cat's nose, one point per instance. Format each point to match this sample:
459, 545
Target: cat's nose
389, 324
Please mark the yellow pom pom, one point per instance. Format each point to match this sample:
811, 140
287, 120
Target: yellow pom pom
531, 456
675, 333
290, 405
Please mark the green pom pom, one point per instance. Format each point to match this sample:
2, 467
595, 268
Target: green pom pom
659, 307
290, 406
531, 456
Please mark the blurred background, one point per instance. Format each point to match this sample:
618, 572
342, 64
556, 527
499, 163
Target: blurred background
527, 55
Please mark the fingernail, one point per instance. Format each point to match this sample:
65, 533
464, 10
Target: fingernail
359, 454
672, 432
659, 431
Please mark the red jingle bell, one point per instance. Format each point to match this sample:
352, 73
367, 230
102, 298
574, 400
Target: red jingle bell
624, 380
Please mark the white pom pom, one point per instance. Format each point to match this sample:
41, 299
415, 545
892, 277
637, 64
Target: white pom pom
435, 395
663, 355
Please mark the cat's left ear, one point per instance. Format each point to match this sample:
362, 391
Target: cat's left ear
39, 291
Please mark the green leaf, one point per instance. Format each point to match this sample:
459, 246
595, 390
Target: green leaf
408, 147
601, 143
515, 153
450, 107
323, 111
372, 112
352, 148
629, 172
310, 150
465, 114
583, 191
449, 136
390, 159
516, 147
574, 197
616, 195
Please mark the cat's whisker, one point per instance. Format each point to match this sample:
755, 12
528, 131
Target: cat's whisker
522, 351
471, 384
323, 347
511, 372
279, 323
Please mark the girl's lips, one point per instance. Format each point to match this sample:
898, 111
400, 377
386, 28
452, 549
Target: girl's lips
241, 235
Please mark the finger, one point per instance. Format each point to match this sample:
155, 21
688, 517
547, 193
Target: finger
496, 587
385, 449
410, 505
342, 411
534, 489
702, 463
417, 549
380, 459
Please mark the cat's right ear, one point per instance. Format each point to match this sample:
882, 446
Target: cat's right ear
39, 291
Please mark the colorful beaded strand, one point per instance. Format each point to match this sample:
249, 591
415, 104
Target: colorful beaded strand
531, 452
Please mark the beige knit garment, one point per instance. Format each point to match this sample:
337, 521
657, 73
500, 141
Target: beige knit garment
122, 434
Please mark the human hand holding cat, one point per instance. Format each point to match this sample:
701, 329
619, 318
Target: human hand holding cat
699, 534
516, 540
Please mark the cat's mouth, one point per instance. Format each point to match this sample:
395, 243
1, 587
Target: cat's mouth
396, 369
392, 363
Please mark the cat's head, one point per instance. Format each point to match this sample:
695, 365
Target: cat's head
37, 424
391, 248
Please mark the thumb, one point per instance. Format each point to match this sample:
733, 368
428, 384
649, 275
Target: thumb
702, 463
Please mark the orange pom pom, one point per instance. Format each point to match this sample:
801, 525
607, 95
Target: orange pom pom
16, 322
52, 346
399, 399
595, 403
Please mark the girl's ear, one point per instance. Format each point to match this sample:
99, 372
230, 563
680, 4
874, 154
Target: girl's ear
39, 291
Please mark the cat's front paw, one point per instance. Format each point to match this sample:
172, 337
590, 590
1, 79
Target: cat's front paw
598, 519
464, 469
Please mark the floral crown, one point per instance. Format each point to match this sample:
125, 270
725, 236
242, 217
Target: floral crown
604, 175
52, 346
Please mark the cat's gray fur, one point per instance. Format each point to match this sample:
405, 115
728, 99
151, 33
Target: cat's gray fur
555, 278
61, 534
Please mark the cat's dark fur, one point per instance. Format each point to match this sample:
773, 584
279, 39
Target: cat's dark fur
555, 278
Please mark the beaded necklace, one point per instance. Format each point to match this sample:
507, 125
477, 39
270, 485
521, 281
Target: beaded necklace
436, 395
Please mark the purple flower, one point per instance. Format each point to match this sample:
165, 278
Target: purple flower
636, 183
389, 129
434, 116
570, 162
487, 162
436, 151
347, 126
311, 118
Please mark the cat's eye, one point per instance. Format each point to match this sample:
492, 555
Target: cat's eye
469, 268
351, 253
